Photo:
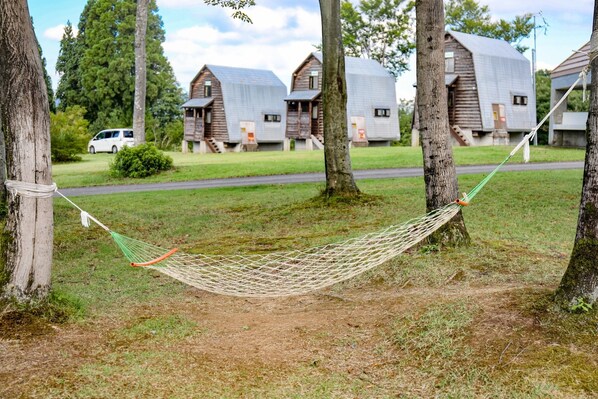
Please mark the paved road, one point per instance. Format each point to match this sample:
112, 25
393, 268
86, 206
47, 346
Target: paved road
306, 178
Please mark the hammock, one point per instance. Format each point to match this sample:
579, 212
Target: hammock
292, 272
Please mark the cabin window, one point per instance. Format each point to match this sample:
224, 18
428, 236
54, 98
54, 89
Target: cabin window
272, 118
209, 117
293, 106
313, 80
314, 112
207, 88
189, 113
304, 106
449, 62
382, 112
519, 100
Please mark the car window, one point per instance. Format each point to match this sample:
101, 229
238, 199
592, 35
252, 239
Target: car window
108, 135
115, 134
129, 134
99, 136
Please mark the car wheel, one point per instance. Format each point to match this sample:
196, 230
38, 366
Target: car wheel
92, 150
114, 149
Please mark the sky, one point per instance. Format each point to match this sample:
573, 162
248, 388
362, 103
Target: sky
284, 32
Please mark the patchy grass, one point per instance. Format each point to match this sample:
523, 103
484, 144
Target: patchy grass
456, 323
93, 170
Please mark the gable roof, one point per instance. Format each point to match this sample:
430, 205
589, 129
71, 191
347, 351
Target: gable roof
574, 63
360, 66
480, 45
243, 76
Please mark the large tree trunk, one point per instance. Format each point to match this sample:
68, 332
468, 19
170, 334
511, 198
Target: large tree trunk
140, 72
339, 176
28, 234
439, 169
580, 281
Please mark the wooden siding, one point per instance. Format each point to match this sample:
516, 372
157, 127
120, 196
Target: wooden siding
300, 124
573, 64
217, 129
465, 111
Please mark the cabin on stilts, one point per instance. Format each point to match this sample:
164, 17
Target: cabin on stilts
372, 112
490, 93
568, 122
234, 109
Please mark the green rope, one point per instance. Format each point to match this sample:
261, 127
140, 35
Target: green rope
474, 191
123, 247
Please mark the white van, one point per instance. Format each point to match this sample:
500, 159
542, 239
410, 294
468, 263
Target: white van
111, 140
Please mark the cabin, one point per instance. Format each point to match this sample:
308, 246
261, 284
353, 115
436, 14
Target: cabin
372, 112
234, 109
567, 127
490, 97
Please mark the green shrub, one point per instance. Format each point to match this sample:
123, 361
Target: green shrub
69, 135
141, 161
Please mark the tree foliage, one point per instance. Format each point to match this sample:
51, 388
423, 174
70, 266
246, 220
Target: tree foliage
542, 102
469, 16
69, 134
98, 66
380, 30
236, 5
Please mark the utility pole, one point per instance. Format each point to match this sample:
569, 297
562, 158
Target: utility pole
534, 74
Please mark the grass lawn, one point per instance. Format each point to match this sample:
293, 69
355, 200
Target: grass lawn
467, 322
93, 170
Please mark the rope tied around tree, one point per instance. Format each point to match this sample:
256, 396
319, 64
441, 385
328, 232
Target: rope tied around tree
31, 190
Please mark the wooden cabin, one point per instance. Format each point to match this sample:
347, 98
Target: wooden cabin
234, 109
490, 94
372, 112
568, 128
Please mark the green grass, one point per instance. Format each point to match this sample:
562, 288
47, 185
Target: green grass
93, 170
443, 343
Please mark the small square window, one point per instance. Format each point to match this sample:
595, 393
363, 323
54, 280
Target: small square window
519, 100
382, 112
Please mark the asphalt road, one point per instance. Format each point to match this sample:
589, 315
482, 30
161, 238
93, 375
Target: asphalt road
307, 178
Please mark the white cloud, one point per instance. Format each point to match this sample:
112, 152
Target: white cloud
56, 32
279, 39
518, 7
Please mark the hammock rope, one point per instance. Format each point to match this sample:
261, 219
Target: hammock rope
291, 272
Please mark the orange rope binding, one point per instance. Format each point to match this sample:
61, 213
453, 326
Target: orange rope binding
461, 202
154, 261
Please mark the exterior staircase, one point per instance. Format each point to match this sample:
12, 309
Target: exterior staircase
318, 142
460, 136
213, 145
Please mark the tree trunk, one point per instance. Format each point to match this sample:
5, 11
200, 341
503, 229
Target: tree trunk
439, 169
339, 175
140, 72
580, 282
28, 234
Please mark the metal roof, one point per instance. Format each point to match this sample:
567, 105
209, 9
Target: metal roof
198, 102
449, 79
245, 76
303, 95
360, 66
481, 45
574, 63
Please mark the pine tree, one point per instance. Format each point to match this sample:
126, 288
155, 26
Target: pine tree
68, 91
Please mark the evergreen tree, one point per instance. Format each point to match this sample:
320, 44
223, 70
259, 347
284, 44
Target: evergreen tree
98, 66
68, 91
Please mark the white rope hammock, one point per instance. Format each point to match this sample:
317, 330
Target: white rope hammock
292, 272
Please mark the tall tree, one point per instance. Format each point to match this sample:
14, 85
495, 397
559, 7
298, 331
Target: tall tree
468, 16
339, 175
140, 72
68, 91
380, 30
104, 69
26, 255
439, 168
579, 285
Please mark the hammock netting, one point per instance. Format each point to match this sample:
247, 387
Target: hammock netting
287, 273
292, 272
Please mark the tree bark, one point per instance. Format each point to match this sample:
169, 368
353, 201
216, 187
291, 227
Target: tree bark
580, 281
339, 175
439, 168
24, 112
140, 72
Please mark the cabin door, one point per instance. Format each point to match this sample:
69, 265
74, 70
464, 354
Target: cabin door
451, 105
304, 119
358, 130
499, 116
